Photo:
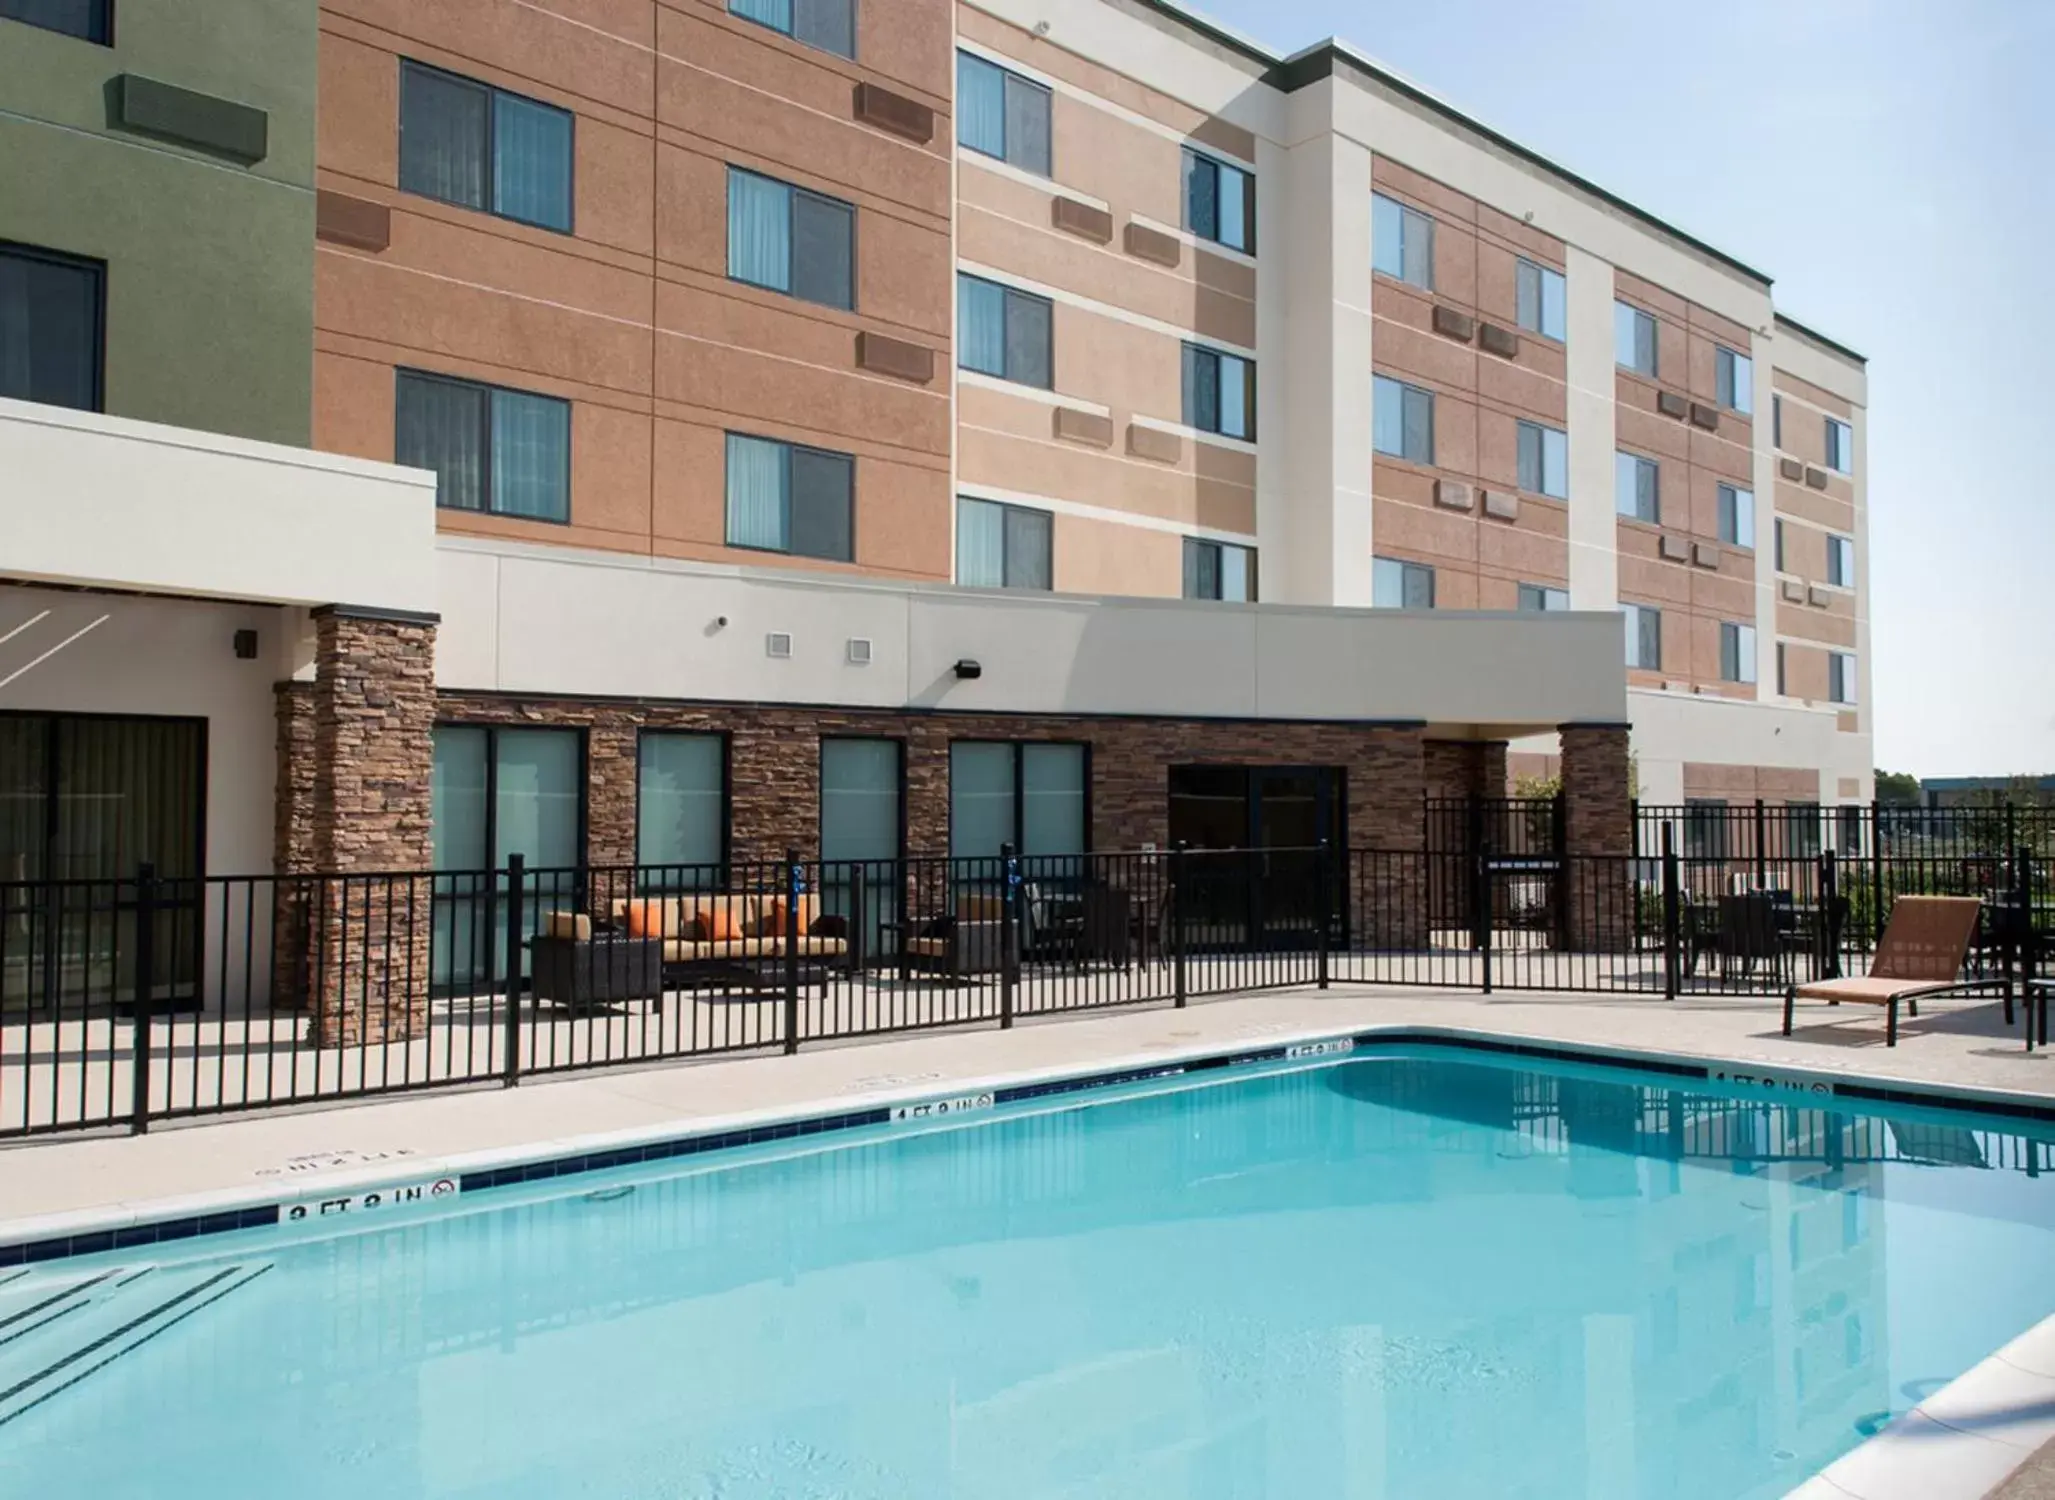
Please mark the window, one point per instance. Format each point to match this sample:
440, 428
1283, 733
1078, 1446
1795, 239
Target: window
1401, 242
1219, 570
1840, 446
1634, 345
681, 809
1780, 545
50, 327
1841, 561
1538, 293
1219, 202
791, 240
1776, 421
1705, 828
1029, 795
1003, 332
1737, 652
1801, 830
785, 498
1401, 420
1637, 488
1002, 546
1737, 516
1400, 585
1734, 380
481, 147
1544, 460
1002, 114
1644, 637
827, 24
1840, 677
85, 19
1219, 393
506, 452
1781, 689
1542, 598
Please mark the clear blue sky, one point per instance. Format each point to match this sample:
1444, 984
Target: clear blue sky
1887, 163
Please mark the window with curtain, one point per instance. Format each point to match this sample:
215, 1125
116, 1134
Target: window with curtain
783, 497
1028, 794
1840, 446
50, 342
1634, 340
476, 146
1003, 546
88, 20
1401, 420
1401, 242
506, 452
681, 808
1841, 561
1540, 598
1637, 487
1001, 114
1737, 516
860, 799
1802, 834
829, 25
1737, 652
1219, 201
1544, 460
1734, 380
1539, 298
1219, 570
1219, 392
791, 240
981, 799
1395, 584
1705, 828
1005, 332
1644, 637
1840, 677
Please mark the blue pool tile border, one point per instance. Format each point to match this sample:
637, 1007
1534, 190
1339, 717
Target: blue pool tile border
131, 1236
690, 1145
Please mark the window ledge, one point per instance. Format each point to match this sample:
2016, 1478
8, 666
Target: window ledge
1196, 434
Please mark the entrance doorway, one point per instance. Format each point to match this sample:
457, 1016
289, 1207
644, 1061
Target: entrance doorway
1268, 895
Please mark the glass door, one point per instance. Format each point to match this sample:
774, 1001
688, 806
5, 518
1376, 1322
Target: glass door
1265, 892
862, 836
1290, 813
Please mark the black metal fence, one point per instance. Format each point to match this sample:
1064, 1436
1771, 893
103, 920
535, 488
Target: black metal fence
128, 1002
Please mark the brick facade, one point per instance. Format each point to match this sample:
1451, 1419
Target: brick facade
1598, 820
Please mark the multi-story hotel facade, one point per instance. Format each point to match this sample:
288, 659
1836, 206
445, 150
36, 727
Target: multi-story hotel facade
679, 430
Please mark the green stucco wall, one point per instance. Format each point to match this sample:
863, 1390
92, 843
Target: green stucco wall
210, 264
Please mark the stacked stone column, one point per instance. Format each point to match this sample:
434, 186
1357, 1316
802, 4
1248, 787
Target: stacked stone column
1598, 832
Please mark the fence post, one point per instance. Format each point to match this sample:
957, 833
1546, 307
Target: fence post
1762, 863
859, 921
1009, 928
1480, 915
1323, 899
1673, 913
795, 882
517, 881
1830, 915
1177, 920
1876, 875
146, 963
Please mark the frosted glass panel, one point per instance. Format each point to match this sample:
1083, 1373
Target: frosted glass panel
980, 799
859, 799
680, 818
1052, 779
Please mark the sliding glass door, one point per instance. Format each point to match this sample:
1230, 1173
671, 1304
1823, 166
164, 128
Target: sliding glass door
863, 832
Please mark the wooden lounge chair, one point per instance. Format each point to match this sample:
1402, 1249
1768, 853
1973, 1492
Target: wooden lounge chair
1920, 954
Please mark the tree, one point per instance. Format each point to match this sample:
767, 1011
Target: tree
1897, 787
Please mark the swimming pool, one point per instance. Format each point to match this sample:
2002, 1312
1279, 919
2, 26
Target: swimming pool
1403, 1273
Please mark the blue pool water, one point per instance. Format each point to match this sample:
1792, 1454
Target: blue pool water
1400, 1275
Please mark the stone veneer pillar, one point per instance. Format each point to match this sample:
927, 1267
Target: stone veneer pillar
369, 827
292, 844
1598, 834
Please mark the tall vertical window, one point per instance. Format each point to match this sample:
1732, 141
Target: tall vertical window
1002, 546
1401, 420
1539, 295
1395, 584
1781, 689
1634, 341
1734, 380
1644, 637
1401, 242
786, 498
1219, 392
1840, 446
1737, 652
1004, 332
827, 24
88, 20
1776, 421
1000, 113
1801, 830
681, 807
791, 240
1219, 201
1737, 516
1840, 677
480, 147
1779, 534
1219, 570
1544, 456
1637, 487
506, 452
1543, 598
50, 338
1031, 796
1705, 828
1841, 561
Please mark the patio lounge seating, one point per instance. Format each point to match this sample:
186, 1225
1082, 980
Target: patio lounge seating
1920, 954
719, 934
969, 942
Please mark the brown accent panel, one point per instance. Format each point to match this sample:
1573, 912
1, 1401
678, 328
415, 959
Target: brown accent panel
219, 127
1704, 416
1675, 549
1791, 468
1500, 341
895, 357
1502, 505
1817, 597
352, 221
1452, 494
1075, 426
1152, 245
1848, 723
1816, 478
875, 105
1152, 443
1081, 219
1848, 786
1704, 555
1794, 591
1454, 324
1670, 404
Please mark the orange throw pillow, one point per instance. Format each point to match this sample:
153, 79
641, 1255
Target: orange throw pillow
719, 924
645, 919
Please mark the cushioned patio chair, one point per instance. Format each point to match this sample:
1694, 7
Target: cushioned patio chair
1919, 955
